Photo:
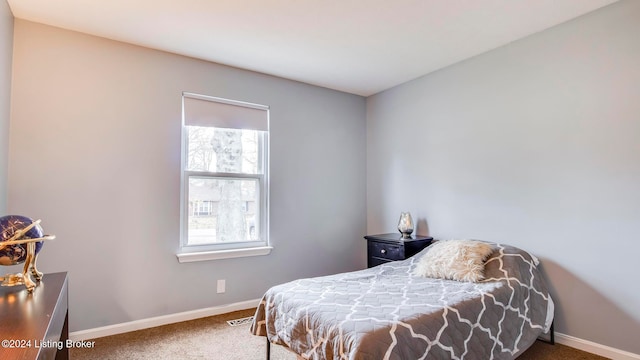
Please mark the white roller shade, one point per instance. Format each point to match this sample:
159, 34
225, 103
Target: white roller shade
201, 111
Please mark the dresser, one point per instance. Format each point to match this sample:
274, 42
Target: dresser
383, 248
35, 325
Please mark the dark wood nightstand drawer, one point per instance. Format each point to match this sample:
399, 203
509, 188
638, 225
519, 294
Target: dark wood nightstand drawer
385, 248
386, 251
375, 261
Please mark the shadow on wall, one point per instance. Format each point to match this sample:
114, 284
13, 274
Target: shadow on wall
422, 227
583, 312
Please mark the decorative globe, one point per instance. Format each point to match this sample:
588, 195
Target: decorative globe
9, 226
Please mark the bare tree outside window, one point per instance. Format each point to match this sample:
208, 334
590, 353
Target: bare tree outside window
232, 202
227, 145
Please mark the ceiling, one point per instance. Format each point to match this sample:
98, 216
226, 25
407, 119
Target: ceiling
357, 46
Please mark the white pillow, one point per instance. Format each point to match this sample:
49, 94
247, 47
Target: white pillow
461, 260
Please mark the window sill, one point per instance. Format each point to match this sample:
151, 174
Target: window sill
223, 254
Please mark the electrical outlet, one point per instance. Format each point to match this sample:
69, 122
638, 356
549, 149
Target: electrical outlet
221, 286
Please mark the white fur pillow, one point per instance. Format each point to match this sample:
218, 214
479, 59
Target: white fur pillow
461, 260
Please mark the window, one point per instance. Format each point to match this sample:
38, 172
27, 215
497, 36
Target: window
224, 178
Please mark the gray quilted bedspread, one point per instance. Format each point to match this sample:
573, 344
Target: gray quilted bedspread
386, 312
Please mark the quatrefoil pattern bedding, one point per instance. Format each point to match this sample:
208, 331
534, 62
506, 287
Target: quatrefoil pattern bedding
387, 312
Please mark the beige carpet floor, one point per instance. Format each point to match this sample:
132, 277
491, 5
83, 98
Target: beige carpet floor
213, 339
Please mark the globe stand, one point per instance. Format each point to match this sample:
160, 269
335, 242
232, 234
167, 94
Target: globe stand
12, 279
29, 268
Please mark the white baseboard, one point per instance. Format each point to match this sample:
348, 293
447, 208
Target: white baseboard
160, 320
595, 348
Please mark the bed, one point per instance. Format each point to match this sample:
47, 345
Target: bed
390, 312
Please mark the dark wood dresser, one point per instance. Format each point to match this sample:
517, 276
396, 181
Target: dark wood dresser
384, 248
36, 325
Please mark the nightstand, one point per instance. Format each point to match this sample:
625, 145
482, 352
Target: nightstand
384, 248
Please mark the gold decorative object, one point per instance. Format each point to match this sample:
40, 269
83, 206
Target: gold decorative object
21, 240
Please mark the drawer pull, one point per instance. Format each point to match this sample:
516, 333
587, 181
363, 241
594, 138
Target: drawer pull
383, 251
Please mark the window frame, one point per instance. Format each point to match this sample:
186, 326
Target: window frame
199, 252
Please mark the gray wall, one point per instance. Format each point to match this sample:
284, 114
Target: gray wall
6, 53
535, 144
95, 153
